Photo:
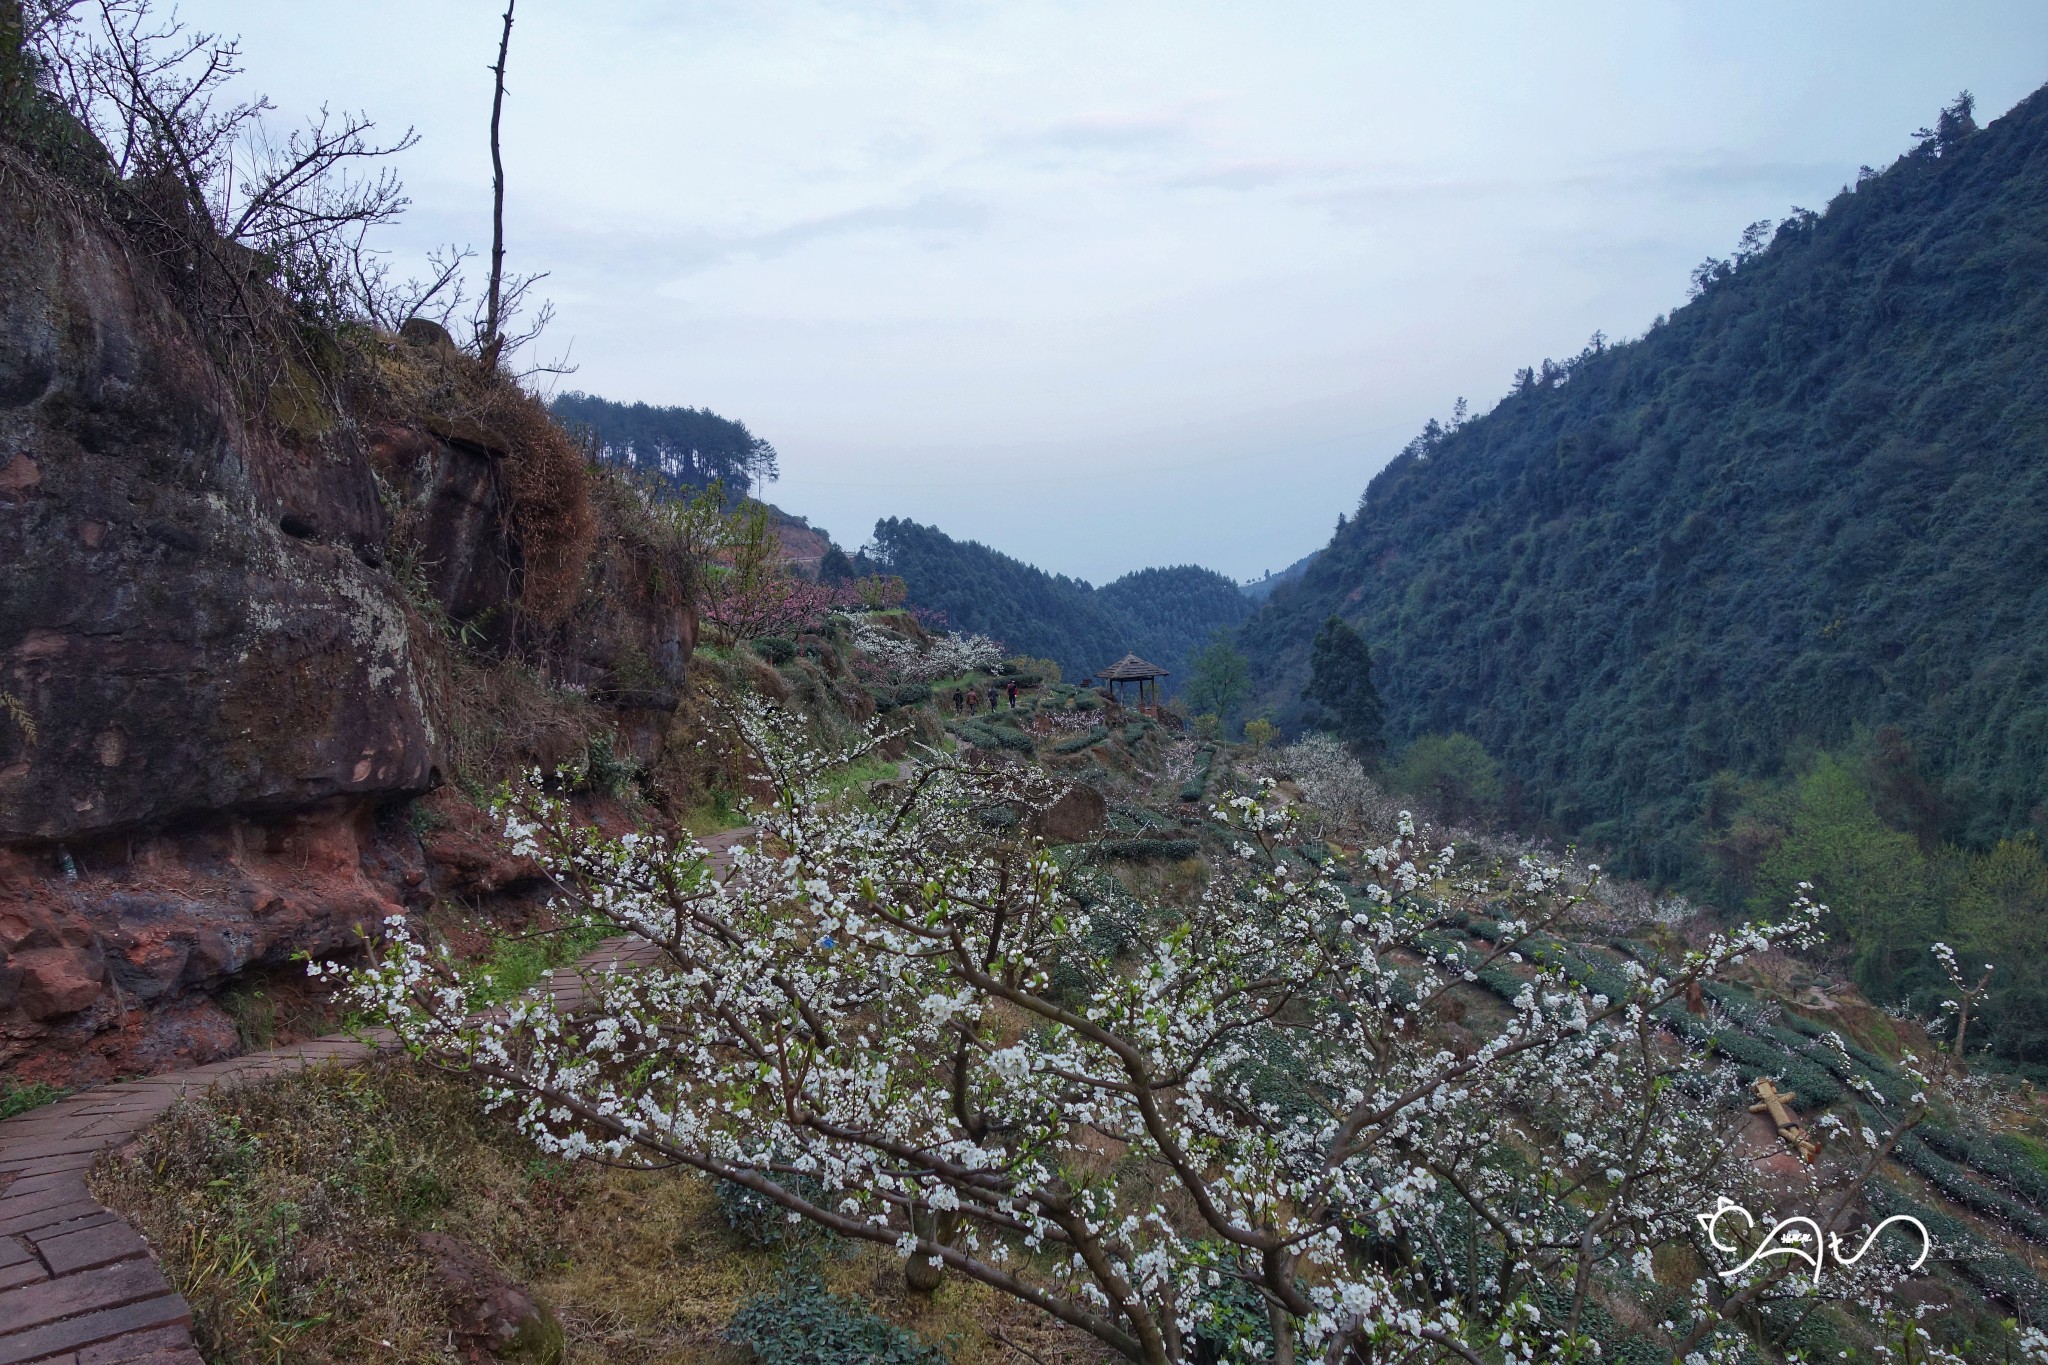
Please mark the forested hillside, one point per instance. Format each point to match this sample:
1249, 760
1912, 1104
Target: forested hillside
1811, 503
684, 448
1259, 589
1164, 615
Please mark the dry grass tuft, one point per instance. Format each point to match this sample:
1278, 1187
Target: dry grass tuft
546, 472
286, 1210
503, 716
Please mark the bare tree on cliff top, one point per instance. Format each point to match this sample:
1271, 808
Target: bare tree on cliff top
154, 93
491, 336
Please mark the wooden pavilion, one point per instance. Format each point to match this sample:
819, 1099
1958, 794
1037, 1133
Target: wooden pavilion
1132, 669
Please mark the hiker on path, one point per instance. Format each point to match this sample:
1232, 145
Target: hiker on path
993, 696
973, 701
1013, 694
959, 702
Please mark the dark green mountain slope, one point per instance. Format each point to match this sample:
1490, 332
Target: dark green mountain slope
1815, 499
1163, 615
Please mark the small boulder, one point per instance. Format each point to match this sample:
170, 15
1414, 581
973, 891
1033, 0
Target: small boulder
427, 334
490, 1313
57, 981
1079, 814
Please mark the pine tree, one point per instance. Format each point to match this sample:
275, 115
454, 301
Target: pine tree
1340, 685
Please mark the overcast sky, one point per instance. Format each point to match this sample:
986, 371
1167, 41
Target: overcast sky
1111, 285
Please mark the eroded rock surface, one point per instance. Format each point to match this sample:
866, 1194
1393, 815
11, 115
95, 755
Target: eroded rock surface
186, 610
218, 692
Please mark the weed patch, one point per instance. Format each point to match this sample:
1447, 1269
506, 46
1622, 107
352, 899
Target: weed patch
20, 1097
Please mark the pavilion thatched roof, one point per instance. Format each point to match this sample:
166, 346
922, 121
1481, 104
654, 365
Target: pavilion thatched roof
1130, 668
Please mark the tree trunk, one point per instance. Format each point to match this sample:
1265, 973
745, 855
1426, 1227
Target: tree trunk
13, 64
1283, 1333
493, 339
923, 1272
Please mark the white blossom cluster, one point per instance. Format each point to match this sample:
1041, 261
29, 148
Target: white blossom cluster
946, 655
1333, 783
1283, 1090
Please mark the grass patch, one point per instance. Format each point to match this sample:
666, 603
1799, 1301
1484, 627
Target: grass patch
286, 1212
18, 1097
719, 812
515, 963
853, 778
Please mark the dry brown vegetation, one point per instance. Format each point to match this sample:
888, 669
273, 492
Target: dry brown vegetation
287, 1212
435, 385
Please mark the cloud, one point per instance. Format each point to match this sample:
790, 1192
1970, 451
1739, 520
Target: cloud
1117, 131
1656, 174
1241, 176
933, 214
672, 251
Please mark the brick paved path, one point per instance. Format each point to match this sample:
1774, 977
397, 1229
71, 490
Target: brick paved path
78, 1285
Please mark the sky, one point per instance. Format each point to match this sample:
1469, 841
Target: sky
1115, 284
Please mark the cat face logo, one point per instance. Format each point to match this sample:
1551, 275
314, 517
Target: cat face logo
1800, 1237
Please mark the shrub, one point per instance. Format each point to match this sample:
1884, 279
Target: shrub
1080, 742
1143, 850
775, 649
983, 735
20, 1097
605, 769
1031, 672
896, 698
761, 1221
802, 1323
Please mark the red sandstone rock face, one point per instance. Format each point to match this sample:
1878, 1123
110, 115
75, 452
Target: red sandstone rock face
226, 686
112, 972
190, 608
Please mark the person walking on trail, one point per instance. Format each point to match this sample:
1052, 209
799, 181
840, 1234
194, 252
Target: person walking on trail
959, 702
993, 697
973, 701
1013, 694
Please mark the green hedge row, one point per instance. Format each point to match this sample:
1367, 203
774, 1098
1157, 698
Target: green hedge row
1198, 781
1080, 742
985, 736
896, 698
1789, 1050
2004, 1276
1917, 1153
1141, 850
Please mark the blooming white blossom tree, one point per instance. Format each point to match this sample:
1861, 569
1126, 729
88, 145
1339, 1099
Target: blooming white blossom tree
1334, 784
901, 659
891, 1022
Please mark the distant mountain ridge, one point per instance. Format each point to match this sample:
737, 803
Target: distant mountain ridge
1815, 498
1259, 589
1163, 615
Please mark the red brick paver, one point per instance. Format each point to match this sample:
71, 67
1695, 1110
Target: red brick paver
78, 1285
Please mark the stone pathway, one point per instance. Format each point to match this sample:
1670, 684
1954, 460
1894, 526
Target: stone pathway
78, 1285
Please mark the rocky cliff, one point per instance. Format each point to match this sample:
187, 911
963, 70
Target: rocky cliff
233, 630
